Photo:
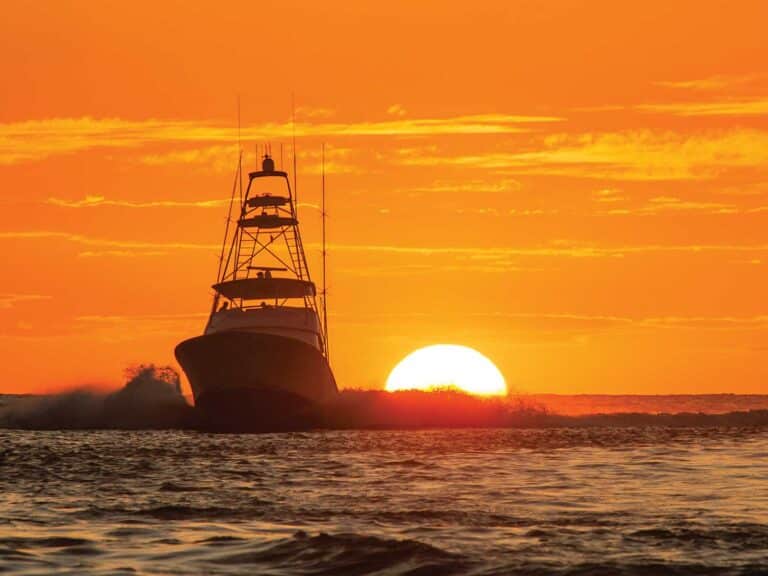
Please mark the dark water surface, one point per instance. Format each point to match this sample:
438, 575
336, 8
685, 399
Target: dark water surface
559, 501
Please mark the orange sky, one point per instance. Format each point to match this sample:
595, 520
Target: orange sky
575, 188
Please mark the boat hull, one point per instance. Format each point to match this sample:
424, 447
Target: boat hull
250, 381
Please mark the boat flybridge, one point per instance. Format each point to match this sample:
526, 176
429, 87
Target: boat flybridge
263, 356
264, 283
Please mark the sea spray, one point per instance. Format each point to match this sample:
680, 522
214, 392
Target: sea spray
150, 399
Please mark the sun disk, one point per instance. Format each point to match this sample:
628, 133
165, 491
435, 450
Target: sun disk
447, 366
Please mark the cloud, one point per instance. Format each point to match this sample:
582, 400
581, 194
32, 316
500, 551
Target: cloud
632, 156
713, 322
120, 253
574, 322
119, 318
570, 321
38, 139
119, 246
474, 186
556, 249
411, 270
560, 249
314, 112
711, 83
533, 211
608, 195
10, 300
96, 201
138, 327
751, 107
672, 204
667, 204
336, 161
219, 158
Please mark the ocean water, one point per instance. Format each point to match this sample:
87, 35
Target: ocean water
556, 501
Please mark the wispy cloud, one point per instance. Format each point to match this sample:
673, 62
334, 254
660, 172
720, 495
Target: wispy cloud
560, 249
556, 249
569, 321
220, 158
134, 253
532, 211
137, 327
314, 112
430, 269
10, 300
673, 204
396, 110
338, 160
668, 204
466, 186
38, 139
96, 201
608, 196
711, 83
120, 246
638, 155
754, 321
745, 107
121, 318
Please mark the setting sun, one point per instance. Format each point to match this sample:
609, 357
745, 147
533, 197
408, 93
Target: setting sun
447, 366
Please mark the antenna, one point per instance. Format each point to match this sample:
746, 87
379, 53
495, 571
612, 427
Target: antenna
325, 252
293, 130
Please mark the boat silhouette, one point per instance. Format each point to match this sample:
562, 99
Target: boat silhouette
261, 363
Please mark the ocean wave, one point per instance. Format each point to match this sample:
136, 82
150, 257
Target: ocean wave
170, 512
302, 553
733, 537
340, 554
649, 567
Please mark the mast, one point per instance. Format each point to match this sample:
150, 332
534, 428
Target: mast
325, 252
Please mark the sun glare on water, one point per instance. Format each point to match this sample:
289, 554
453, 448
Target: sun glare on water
447, 366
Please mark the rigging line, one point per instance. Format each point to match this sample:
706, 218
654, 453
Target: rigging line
265, 247
238, 232
325, 252
301, 257
249, 261
226, 228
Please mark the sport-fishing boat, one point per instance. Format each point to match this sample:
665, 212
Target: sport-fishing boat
262, 360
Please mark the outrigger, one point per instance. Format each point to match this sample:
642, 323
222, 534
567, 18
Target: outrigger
262, 360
